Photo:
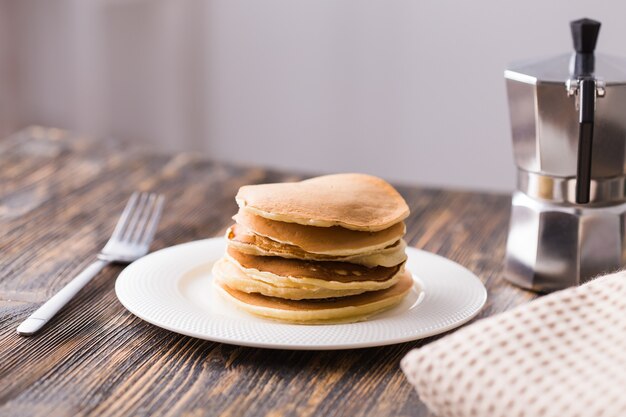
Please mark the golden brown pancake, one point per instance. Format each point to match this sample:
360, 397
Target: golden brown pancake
326, 271
335, 310
353, 201
296, 279
246, 241
228, 272
335, 240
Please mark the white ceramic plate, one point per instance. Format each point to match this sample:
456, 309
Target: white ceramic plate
172, 289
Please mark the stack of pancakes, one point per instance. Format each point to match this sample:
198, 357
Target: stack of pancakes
325, 250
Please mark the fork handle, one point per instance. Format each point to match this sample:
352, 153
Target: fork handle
43, 314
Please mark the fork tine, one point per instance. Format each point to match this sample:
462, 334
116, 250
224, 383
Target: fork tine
151, 228
121, 223
134, 218
144, 218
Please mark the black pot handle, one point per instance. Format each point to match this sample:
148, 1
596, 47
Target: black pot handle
585, 35
587, 98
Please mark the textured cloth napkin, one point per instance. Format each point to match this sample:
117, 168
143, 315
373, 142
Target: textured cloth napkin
563, 355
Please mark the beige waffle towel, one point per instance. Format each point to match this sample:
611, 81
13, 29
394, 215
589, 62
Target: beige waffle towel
563, 355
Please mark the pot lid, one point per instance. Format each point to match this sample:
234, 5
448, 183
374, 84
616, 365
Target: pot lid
611, 69
582, 63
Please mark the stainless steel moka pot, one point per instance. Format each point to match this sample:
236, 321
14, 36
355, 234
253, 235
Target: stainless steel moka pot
568, 122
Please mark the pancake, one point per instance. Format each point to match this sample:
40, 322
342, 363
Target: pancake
330, 271
246, 241
354, 201
270, 275
336, 310
335, 240
227, 272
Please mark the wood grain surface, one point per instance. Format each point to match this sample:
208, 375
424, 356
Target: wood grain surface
60, 196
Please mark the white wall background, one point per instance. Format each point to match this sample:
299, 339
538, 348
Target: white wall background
411, 90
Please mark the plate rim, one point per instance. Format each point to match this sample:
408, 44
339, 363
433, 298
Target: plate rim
295, 346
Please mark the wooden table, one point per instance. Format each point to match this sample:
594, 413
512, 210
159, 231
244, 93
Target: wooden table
60, 196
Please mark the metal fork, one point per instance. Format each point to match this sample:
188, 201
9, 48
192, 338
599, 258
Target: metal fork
130, 241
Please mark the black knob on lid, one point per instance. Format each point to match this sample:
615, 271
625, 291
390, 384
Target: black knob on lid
585, 35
